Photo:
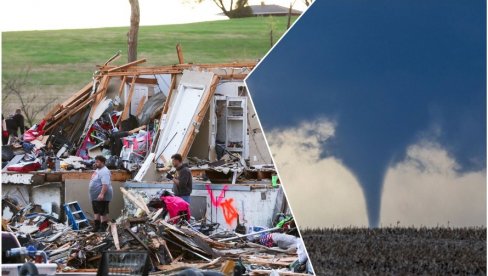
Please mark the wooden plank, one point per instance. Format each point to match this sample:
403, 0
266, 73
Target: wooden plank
223, 75
50, 114
233, 76
228, 267
116, 175
127, 65
170, 93
143, 80
177, 265
268, 262
179, 52
127, 229
140, 106
82, 91
69, 114
101, 92
70, 107
132, 198
113, 58
115, 235
121, 87
125, 113
166, 68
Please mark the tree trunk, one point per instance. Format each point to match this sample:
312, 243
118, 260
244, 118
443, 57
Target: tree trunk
289, 16
134, 30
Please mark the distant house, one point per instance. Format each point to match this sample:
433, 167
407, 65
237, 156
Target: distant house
274, 10
266, 10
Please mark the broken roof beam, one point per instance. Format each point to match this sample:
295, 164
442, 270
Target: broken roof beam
172, 69
74, 98
127, 65
113, 58
142, 80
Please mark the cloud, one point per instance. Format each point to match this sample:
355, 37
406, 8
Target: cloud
321, 192
426, 189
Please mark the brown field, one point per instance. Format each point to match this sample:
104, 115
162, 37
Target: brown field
397, 251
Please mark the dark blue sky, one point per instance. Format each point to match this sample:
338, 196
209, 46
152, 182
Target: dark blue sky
387, 72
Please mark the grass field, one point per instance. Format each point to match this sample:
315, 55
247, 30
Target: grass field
397, 251
62, 61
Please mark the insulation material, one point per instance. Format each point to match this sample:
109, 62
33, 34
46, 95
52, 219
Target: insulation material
150, 107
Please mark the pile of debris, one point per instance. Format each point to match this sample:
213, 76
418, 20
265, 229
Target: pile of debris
138, 116
167, 247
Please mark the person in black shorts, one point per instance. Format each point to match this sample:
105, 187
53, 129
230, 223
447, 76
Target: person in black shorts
101, 192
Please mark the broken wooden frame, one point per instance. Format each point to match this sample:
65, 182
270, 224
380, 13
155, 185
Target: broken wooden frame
92, 94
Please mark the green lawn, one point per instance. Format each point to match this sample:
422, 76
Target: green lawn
61, 61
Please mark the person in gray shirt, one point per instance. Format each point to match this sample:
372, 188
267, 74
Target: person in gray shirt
100, 191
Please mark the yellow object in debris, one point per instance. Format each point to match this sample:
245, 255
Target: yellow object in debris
228, 268
139, 213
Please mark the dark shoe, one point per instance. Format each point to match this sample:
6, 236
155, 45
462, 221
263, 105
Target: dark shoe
96, 227
103, 226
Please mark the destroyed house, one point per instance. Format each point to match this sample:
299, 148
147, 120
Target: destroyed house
202, 111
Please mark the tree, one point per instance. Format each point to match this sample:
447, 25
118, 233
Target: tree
16, 86
231, 10
133, 31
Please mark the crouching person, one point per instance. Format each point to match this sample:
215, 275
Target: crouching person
177, 208
100, 193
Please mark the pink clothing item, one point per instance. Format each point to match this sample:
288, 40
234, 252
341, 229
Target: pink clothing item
175, 205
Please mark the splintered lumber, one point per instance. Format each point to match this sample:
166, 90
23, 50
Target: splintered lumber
179, 52
101, 92
144, 80
269, 262
156, 243
125, 113
50, 114
63, 108
115, 235
213, 243
126, 227
228, 267
121, 87
135, 200
170, 93
127, 65
87, 88
140, 105
114, 57
156, 214
176, 68
177, 265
